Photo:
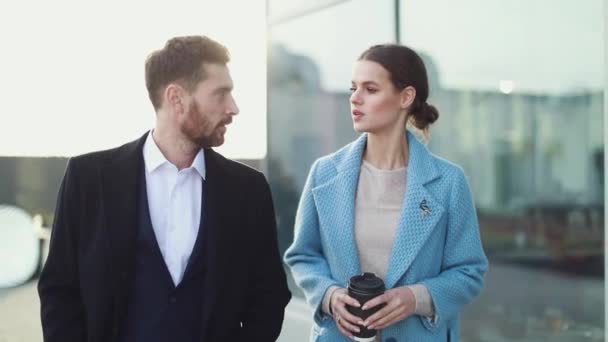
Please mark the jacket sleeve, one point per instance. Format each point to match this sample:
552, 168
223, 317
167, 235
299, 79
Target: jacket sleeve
464, 262
305, 256
62, 310
269, 294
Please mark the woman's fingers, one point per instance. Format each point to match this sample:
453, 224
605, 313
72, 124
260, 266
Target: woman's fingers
383, 298
389, 319
346, 322
346, 299
339, 308
341, 321
343, 331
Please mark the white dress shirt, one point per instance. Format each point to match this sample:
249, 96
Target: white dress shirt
174, 201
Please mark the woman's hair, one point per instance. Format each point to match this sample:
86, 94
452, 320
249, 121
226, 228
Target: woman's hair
406, 69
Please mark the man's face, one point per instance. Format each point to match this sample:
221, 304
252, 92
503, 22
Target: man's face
211, 108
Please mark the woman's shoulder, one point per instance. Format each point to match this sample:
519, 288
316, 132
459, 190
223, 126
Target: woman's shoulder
344, 154
328, 165
448, 169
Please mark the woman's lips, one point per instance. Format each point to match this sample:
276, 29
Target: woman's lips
357, 114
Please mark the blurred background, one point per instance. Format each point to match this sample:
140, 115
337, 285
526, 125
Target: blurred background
520, 87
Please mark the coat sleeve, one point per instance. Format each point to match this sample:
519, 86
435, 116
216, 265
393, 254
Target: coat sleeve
62, 309
305, 256
464, 262
268, 292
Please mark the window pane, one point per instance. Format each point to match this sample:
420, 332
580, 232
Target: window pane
309, 79
520, 95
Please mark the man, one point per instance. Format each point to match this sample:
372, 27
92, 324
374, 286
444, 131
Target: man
163, 239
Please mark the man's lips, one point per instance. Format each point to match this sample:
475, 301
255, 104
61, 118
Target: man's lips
226, 123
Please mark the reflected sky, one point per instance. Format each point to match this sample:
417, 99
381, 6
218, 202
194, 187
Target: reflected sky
540, 46
73, 72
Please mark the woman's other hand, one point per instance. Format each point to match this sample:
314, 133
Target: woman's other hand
400, 304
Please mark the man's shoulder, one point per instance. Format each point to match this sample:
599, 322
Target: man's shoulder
234, 168
96, 159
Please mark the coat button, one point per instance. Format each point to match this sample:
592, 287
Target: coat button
172, 299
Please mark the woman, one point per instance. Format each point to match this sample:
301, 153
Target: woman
385, 204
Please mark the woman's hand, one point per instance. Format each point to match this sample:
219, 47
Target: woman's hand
345, 321
400, 304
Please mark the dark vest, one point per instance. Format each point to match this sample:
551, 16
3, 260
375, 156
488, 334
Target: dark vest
158, 311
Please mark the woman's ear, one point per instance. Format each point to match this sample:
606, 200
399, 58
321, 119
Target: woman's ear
408, 95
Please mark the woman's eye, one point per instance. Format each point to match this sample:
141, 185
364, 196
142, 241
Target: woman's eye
352, 89
372, 90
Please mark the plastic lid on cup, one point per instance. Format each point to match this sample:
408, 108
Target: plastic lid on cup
367, 283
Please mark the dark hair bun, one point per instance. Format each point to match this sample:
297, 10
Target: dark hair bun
424, 115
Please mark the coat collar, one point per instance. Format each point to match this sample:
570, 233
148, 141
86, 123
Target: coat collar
420, 159
336, 205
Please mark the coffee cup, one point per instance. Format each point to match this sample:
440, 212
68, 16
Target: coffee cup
363, 288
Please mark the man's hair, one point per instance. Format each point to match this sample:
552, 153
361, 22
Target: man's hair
182, 61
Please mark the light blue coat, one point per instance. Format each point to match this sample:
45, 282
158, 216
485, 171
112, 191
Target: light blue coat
440, 249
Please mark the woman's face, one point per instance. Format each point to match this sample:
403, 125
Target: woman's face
375, 104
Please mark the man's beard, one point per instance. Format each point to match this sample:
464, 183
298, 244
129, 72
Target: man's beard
196, 125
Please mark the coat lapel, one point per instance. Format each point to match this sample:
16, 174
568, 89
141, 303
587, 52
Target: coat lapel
335, 201
419, 214
121, 177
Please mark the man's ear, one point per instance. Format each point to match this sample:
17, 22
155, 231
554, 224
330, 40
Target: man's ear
175, 97
408, 95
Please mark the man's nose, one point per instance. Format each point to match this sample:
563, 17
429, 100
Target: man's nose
232, 109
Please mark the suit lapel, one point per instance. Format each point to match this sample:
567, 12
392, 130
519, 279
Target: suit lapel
419, 214
121, 177
216, 245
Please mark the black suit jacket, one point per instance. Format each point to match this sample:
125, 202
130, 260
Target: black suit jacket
84, 284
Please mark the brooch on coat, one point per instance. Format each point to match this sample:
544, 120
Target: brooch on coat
425, 208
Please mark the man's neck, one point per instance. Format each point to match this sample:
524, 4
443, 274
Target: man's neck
177, 150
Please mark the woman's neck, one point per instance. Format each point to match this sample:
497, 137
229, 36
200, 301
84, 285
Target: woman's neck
387, 151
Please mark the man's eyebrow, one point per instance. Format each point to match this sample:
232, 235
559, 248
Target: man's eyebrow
224, 89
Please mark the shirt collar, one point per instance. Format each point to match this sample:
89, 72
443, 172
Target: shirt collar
154, 158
